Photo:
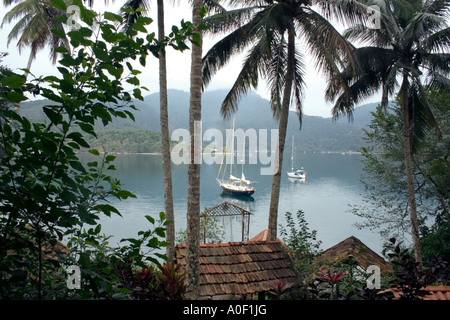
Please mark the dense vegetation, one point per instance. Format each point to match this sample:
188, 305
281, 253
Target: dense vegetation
51, 202
386, 199
127, 141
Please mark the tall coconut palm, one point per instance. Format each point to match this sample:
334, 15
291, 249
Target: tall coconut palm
195, 112
164, 118
409, 46
165, 140
193, 195
36, 20
263, 27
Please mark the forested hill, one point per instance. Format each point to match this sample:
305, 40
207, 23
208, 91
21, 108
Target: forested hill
317, 133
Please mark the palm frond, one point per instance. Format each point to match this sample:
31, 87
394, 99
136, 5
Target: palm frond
276, 74
254, 65
438, 81
130, 17
219, 54
299, 86
437, 7
327, 46
421, 114
439, 62
438, 41
352, 12
229, 20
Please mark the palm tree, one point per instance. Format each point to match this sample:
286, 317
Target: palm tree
195, 112
34, 28
263, 27
164, 119
193, 196
411, 45
165, 140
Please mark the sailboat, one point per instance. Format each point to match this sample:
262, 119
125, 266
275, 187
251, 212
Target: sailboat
234, 186
295, 173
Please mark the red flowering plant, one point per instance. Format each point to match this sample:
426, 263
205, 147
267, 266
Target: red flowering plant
279, 290
332, 279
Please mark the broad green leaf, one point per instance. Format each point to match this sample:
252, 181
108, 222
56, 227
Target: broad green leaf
61, 34
112, 17
77, 166
54, 116
14, 81
150, 219
16, 97
95, 152
59, 4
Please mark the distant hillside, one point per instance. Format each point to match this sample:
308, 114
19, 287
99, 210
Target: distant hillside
317, 133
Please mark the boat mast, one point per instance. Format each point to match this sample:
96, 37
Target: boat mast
243, 152
232, 149
292, 154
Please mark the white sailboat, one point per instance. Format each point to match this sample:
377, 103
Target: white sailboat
234, 186
295, 173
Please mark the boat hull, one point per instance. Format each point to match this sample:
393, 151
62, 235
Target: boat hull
238, 192
297, 175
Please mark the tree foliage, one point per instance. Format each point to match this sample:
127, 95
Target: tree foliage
385, 182
47, 194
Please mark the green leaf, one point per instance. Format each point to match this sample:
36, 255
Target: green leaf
16, 97
78, 138
59, 4
116, 72
61, 34
112, 16
95, 152
107, 209
54, 117
68, 196
100, 111
160, 232
150, 219
85, 260
77, 166
153, 243
14, 81
134, 81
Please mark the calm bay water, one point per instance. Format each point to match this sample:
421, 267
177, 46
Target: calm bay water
333, 182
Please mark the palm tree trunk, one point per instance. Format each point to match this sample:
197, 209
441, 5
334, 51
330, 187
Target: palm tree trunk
409, 171
165, 141
193, 197
282, 127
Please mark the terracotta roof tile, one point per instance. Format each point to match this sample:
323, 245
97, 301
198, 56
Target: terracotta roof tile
352, 247
434, 292
241, 268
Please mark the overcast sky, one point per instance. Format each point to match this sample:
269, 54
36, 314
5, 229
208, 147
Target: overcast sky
178, 64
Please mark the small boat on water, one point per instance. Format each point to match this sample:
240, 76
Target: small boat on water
295, 173
235, 186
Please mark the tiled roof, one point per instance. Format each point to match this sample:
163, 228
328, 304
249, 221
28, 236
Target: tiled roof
241, 268
262, 236
434, 293
354, 248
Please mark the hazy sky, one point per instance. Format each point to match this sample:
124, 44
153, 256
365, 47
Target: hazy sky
178, 63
